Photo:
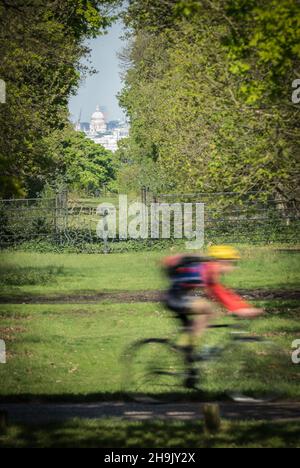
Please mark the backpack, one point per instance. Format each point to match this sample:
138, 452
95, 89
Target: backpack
185, 271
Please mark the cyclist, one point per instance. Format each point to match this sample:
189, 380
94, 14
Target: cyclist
188, 272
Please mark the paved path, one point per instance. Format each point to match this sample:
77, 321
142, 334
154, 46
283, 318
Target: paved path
45, 413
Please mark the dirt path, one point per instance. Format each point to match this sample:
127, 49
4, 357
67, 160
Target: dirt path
48, 413
138, 296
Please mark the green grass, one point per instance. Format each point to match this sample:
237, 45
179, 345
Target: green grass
73, 351
54, 274
78, 273
156, 434
69, 352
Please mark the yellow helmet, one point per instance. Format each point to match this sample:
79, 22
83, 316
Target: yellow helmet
223, 252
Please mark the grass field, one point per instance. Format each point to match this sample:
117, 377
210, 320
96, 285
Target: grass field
74, 352
68, 352
156, 434
53, 274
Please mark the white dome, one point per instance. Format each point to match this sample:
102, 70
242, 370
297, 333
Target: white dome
98, 123
98, 115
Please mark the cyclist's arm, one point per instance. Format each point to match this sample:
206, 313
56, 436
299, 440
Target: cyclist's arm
230, 300
227, 298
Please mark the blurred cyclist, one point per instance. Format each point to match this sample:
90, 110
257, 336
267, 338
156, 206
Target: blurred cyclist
188, 272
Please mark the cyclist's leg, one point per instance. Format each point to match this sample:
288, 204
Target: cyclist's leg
180, 306
194, 314
187, 325
203, 312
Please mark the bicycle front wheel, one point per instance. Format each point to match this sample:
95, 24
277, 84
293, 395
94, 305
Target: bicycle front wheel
154, 371
259, 369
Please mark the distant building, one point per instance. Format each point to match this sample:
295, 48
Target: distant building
102, 133
85, 127
112, 125
108, 141
98, 124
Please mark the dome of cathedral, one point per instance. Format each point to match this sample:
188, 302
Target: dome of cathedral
98, 123
98, 115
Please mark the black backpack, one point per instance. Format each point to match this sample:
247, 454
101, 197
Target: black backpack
185, 271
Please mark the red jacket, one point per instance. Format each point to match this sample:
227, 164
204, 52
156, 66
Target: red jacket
230, 300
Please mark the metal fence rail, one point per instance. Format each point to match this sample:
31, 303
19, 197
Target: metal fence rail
229, 217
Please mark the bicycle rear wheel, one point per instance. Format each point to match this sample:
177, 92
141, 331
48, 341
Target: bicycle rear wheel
154, 371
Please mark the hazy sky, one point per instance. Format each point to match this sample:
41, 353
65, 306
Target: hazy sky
101, 88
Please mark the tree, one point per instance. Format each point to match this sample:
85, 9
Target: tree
81, 164
208, 90
41, 44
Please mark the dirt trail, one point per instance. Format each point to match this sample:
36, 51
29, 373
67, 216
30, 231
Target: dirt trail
138, 296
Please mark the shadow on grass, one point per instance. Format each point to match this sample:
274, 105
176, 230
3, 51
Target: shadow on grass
167, 397
156, 434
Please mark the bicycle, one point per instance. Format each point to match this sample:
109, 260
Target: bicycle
160, 370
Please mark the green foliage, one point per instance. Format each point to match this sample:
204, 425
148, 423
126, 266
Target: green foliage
41, 43
265, 47
81, 164
156, 15
208, 90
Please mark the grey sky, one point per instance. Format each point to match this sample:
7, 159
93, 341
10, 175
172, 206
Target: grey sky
101, 88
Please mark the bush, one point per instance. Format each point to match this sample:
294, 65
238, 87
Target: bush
29, 276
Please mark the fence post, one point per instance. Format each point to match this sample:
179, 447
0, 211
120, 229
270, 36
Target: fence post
56, 205
212, 418
61, 213
143, 195
144, 204
65, 209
